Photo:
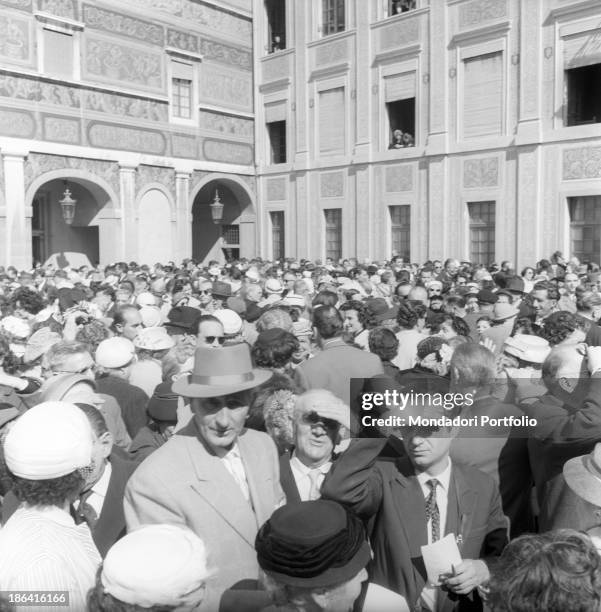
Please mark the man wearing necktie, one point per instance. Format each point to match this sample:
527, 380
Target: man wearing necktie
416, 499
319, 419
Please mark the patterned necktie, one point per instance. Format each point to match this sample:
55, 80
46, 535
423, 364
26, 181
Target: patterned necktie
314, 492
432, 512
85, 512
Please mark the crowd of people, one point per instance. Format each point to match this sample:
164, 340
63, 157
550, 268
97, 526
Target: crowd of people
192, 436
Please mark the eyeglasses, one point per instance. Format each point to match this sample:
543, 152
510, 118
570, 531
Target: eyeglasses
211, 339
205, 292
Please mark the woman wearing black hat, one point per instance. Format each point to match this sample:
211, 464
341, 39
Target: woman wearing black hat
162, 410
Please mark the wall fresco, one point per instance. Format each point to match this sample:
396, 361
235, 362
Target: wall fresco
62, 129
582, 163
216, 122
112, 136
27, 88
184, 146
222, 87
123, 25
226, 54
126, 106
25, 5
230, 152
155, 174
218, 20
61, 8
15, 42
182, 40
107, 61
17, 123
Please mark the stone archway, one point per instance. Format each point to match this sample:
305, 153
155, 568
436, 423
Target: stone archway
94, 235
235, 236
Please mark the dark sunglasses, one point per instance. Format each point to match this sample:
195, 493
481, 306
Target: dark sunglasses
205, 292
211, 339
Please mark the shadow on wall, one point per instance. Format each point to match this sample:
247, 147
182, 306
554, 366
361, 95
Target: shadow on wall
67, 259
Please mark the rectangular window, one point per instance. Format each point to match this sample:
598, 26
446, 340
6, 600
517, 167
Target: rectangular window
181, 100
400, 223
483, 95
276, 25
333, 220
276, 131
399, 95
332, 121
277, 234
396, 7
58, 53
230, 235
333, 17
585, 227
584, 95
482, 232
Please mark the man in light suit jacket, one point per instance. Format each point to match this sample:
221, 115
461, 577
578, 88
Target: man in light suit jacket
337, 363
415, 500
215, 477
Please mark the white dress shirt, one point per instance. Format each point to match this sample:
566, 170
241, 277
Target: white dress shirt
42, 549
302, 477
232, 461
96, 498
429, 594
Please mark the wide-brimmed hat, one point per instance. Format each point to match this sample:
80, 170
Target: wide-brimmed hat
502, 312
583, 475
220, 372
533, 349
182, 318
154, 339
312, 544
39, 343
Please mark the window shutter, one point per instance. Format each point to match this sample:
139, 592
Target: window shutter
275, 112
583, 49
483, 95
332, 125
180, 70
399, 87
58, 53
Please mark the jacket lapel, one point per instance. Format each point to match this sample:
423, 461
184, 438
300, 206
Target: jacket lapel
411, 506
219, 489
461, 505
261, 488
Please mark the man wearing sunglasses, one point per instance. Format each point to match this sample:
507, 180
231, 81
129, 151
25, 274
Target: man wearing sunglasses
210, 332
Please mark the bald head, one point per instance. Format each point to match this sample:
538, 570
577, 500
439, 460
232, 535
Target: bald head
419, 294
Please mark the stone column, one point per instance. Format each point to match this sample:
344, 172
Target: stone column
17, 238
183, 223
129, 237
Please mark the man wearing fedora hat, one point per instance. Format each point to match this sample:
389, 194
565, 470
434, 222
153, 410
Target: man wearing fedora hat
214, 476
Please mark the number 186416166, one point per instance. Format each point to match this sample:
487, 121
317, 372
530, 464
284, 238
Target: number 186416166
37, 598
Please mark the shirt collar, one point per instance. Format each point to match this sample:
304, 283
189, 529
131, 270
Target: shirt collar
101, 487
444, 478
233, 453
305, 470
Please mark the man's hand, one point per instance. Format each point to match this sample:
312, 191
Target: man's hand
468, 575
340, 413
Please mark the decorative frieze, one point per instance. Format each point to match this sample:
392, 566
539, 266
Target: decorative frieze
229, 152
219, 86
123, 25
35, 90
182, 40
217, 20
62, 129
105, 60
481, 172
113, 136
38, 164
227, 54
60, 8
15, 39
126, 106
226, 124
17, 123
146, 175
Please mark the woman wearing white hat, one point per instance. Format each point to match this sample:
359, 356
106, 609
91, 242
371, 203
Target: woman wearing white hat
157, 565
46, 451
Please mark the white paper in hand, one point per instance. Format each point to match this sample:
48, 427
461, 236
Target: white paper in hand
440, 557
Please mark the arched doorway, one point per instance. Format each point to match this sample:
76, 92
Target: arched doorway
234, 237
82, 242
155, 227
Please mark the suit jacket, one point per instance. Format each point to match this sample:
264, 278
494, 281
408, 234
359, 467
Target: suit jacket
184, 483
388, 492
131, 399
110, 526
333, 369
288, 481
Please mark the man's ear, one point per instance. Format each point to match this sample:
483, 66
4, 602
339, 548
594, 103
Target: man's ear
107, 441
